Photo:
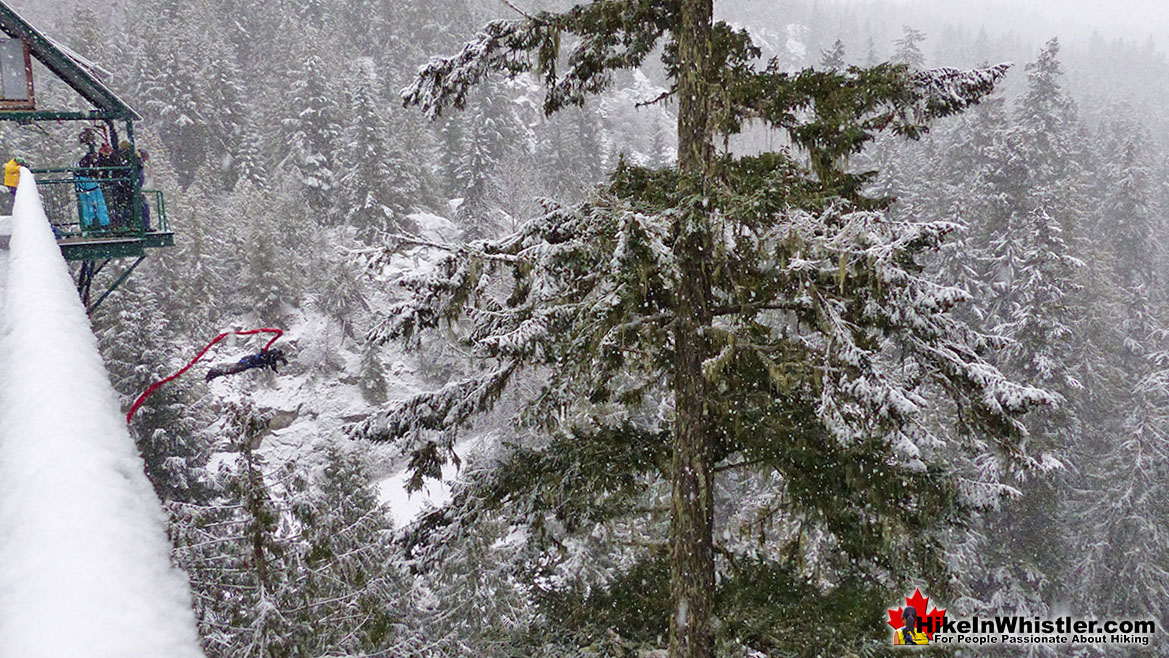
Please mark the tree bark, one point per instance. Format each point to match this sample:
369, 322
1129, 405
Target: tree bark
692, 502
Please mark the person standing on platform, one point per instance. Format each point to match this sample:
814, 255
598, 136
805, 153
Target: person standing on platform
12, 178
106, 161
91, 202
140, 164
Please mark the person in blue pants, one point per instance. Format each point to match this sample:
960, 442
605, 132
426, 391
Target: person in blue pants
94, 213
90, 199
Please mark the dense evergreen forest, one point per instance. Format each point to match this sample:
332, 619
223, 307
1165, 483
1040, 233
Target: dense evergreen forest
958, 380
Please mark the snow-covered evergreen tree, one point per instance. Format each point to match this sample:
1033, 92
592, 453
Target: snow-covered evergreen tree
907, 49
376, 187
710, 319
492, 132
237, 553
450, 147
365, 162
269, 281
373, 378
295, 566
311, 134
1131, 222
230, 132
833, 58
344, 580
1122, 475
1045, 119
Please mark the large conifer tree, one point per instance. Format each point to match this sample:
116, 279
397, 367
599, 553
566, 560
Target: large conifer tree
728, 314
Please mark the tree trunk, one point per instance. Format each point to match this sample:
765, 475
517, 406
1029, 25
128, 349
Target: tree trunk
254, 499
692, 504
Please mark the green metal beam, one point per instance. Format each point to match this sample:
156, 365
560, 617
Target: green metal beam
131, 245
24, 116
158, 240
102, 248
114, 286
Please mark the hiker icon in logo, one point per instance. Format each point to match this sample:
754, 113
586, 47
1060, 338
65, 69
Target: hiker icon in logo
910, 633
912, 623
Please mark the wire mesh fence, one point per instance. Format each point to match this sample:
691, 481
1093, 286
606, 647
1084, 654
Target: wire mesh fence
59, 198
85, 206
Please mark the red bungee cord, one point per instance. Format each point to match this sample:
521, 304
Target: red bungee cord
157, 385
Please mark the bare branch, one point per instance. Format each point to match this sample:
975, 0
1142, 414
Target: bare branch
519, 11
661, 97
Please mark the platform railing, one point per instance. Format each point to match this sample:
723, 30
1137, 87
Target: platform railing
155, 202
107, 193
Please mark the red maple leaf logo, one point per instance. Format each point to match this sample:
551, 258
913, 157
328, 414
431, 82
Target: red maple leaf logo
930, 622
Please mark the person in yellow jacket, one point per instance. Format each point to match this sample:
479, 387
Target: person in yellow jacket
909, 634
12, 172
12, 175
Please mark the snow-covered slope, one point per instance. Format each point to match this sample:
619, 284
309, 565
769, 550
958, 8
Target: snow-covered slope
84, 559
313, 400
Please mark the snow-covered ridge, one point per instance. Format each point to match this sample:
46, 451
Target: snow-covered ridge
84, 559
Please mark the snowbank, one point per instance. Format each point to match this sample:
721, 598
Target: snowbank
84, 560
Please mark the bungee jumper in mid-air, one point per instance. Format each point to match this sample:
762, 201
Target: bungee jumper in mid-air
264, 359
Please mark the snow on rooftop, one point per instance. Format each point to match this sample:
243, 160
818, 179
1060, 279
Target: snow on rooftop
84, 559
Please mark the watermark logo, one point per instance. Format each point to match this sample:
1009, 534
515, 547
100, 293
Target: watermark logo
912, 624
917, 624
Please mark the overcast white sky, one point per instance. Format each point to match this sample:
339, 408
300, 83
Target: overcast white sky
1038, 20
1133, 20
